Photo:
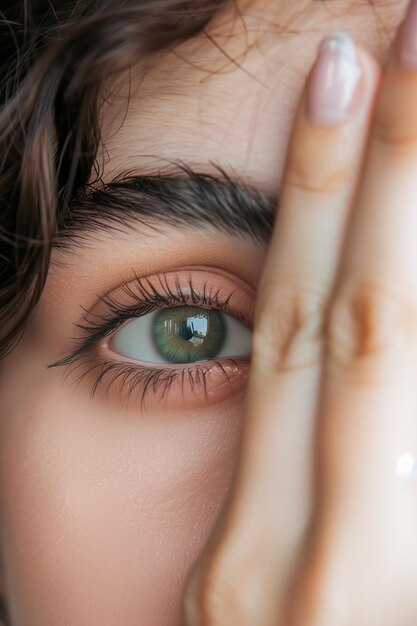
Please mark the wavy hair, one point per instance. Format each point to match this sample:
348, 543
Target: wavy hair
55, 55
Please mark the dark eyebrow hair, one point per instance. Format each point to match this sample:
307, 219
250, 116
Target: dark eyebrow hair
182, 198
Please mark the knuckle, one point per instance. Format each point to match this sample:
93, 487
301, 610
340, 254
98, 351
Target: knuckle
289, 330
324, 604
368, 326
386, 137
309, 180
393, 132
326, 594
394, 121
221, 600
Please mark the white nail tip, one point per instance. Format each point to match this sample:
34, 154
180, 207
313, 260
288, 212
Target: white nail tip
340, 43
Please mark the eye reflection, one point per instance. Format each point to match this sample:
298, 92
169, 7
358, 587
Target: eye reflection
188, 334
192, 329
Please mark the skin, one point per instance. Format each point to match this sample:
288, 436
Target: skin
104, 511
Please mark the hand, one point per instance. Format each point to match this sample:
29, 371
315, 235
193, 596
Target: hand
320, 525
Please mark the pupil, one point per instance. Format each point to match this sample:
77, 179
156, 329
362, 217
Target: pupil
188, 334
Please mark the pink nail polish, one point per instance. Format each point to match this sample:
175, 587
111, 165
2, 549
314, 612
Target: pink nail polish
332, 87
407, 40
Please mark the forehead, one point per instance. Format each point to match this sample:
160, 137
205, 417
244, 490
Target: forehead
229, 95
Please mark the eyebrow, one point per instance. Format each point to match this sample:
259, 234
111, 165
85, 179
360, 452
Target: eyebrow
182, 199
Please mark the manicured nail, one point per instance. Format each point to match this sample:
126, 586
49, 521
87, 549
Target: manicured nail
333, 85
407, 40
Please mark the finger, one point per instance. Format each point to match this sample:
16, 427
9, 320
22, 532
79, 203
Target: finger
367, 513
243, 574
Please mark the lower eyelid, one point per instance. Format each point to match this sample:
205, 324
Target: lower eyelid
137, 387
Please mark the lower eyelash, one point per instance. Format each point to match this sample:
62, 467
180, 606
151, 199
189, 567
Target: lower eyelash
144, 380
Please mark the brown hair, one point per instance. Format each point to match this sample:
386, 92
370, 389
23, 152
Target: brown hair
54, 58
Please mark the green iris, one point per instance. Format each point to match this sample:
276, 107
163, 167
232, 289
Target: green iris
186, 334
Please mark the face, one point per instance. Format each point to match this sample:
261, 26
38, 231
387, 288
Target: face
107, 498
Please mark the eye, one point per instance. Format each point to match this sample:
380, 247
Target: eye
182, 334
181, 337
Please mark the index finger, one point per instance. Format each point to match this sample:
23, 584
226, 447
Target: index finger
242, 577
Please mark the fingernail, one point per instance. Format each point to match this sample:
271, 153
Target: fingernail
407, 42
333, 84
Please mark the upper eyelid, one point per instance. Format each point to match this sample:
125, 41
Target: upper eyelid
142, 288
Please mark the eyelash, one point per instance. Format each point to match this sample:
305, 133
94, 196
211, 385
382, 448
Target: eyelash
134, 376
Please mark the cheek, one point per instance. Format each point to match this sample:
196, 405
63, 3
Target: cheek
103, 514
